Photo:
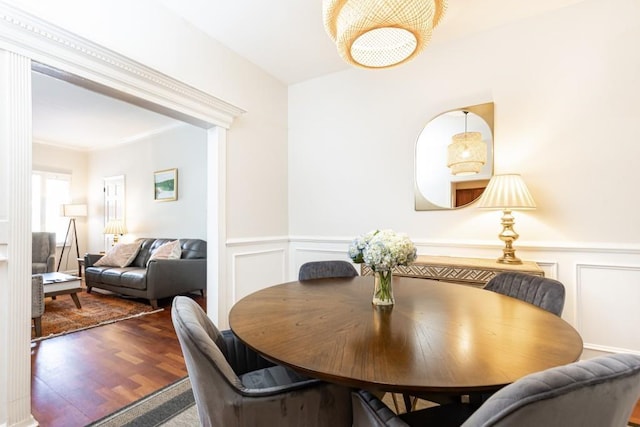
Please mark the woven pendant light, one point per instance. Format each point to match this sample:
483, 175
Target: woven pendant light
381, 33
467, 153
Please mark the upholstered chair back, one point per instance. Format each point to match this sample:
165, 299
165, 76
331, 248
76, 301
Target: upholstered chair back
233, 386
325, 269
43, 252
545, 293
600, 392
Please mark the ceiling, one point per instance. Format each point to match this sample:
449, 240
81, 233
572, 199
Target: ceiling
286, 38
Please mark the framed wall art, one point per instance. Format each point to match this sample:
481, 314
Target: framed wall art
165, 185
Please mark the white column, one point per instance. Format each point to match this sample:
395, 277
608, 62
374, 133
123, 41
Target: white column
216, 226
15, 240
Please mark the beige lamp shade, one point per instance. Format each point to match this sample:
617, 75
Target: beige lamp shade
381, 33
74, 210
115, 227
507, 192
467, 153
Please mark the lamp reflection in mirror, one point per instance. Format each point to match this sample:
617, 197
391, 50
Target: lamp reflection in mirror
507, 192
467, 153
115, 227
381, 33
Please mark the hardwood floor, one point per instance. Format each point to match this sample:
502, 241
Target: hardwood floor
84, 376
81, 377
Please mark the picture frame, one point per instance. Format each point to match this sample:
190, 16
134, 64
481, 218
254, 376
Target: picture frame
165, 185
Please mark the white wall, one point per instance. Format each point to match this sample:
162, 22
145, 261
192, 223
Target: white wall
566, 96
57, 159
257, 142
184, 148
566, 101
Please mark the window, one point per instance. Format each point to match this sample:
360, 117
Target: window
49, 191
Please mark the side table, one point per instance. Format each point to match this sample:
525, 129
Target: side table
80, 267
467, 271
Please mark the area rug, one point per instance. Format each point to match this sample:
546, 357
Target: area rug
62, 317
165, 407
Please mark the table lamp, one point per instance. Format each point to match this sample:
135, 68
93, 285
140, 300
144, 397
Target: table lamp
507, 192
115, 227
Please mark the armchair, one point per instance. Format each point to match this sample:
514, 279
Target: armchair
234, 386
43, 252
37, 303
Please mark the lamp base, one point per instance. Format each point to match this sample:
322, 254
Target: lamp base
509, 259
508, 236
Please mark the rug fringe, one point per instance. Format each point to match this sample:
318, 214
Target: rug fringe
106, 322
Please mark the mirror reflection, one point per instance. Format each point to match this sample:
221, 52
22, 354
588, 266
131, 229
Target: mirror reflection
454, 158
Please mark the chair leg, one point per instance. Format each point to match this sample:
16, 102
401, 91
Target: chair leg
37, 322
407, 402
154, 303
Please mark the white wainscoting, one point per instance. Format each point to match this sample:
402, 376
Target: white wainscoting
253, 264
607, 307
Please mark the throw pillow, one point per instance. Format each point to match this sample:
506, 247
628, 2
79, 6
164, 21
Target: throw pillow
169, 250
121, 255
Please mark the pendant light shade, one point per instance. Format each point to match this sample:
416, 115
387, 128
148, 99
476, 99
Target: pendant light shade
381, 33
467, 153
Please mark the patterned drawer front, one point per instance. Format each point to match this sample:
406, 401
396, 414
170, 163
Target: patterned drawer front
468, 271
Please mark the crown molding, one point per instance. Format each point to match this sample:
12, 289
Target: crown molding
62, 54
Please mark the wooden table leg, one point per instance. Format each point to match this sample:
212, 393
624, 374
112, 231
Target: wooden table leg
76, 301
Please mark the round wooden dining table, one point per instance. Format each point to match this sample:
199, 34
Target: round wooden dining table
438, 337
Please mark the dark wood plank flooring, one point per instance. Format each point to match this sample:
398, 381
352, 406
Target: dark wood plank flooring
84, 376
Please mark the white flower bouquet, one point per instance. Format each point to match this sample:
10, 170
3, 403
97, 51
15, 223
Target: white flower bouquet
382, 250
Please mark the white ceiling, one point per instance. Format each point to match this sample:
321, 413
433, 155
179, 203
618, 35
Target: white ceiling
67, 115
286, 38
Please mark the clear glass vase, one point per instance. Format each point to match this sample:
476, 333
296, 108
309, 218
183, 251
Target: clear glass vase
383, 287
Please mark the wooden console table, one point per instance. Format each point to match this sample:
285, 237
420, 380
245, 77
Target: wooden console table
467, 271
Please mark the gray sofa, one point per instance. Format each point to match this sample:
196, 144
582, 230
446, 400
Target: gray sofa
162, 278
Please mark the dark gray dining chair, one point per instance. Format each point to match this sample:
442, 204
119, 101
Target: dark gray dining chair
545, 293
326, 269
600, 392
234, 386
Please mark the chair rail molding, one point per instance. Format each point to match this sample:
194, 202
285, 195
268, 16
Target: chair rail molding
86, 63
586, 247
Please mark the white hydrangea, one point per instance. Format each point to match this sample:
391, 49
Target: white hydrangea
382, 250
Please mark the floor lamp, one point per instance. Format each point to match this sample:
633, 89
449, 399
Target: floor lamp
71, 211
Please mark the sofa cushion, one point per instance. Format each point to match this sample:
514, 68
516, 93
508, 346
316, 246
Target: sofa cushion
170, 250
147, 247
135, 278
193, 248
121, 255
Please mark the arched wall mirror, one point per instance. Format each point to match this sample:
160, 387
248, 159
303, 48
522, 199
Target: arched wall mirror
436, 185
